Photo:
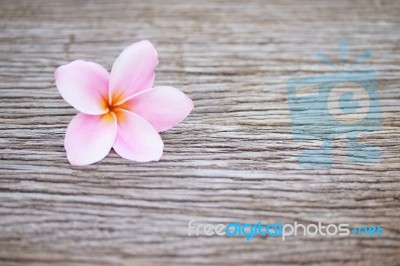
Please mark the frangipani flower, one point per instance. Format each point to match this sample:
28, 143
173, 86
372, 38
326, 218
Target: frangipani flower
120, 109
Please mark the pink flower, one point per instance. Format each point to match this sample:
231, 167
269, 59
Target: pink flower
120, 109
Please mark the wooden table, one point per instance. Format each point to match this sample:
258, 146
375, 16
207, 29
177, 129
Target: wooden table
233, 159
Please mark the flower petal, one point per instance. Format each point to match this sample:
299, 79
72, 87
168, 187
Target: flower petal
136, 139
163, 107
84, 85
133, 71
89, 138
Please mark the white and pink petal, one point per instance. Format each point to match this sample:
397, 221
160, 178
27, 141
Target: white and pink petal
89, 138
84, 85
163, 107
136, 139
133, 71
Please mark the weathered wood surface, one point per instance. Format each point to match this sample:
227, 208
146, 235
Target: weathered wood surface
232, 159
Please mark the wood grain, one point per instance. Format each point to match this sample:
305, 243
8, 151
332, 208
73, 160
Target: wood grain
233, 159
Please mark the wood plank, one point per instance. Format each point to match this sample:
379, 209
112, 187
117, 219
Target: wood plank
233, 159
